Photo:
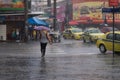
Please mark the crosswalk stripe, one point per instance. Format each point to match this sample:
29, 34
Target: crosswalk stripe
55, 50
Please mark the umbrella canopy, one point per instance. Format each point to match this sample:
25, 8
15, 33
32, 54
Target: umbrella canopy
41, 28
37, 21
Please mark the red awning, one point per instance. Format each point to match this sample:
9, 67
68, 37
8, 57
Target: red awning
102, 21
82, 21
73, 23
116, 21
96, 21
92, 22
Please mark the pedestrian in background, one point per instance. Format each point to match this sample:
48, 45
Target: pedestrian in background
44, 40
13, 34
34, 35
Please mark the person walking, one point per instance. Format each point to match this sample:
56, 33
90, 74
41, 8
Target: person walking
44, 40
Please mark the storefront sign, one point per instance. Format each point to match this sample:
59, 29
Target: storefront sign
93, 9
107, 10
15, 5
113, 3
110, 10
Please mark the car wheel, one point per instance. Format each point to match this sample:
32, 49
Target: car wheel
90, 40
116, 52
73, 37
102, 48
59, 40
64, 37
84, 40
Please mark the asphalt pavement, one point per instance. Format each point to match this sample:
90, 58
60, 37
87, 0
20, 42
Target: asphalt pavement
22, 61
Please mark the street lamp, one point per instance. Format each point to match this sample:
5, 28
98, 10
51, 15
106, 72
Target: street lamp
54, 19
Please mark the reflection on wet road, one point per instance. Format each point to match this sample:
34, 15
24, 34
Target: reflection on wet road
92, 67
78, 47
23, 62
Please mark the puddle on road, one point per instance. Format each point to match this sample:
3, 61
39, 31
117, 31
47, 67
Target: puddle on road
81, 67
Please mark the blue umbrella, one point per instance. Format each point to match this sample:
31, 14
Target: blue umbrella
37, 21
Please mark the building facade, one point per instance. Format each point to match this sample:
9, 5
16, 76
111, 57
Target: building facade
13, 16
90, 12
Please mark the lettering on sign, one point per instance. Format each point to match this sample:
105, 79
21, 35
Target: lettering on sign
113, 3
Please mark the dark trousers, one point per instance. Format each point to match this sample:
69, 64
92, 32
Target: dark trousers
43, 48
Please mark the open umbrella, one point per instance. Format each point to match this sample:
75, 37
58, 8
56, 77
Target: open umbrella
37, 21
41, 28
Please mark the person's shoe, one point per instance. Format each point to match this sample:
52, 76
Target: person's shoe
42, 55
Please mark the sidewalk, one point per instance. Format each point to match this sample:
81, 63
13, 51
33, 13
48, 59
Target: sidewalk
22, 61
31, 49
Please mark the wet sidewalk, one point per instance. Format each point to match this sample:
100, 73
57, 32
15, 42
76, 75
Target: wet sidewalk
22, 61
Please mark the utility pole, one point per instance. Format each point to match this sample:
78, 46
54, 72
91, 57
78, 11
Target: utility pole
49, 3
25, 36
54, 20
67, 14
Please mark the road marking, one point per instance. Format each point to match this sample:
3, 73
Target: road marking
55, 50
90, 53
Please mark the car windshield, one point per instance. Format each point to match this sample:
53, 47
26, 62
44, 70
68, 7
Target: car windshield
95, 31
74, 26
111, 29
76, 30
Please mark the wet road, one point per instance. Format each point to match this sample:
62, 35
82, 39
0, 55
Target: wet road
68, 60
78, 47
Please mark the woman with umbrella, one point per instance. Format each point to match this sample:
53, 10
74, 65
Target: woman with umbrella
43, 28
44, 39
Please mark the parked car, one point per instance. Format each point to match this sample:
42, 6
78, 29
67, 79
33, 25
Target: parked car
91, 35
106, 42
108, 29
55, 36
72, 33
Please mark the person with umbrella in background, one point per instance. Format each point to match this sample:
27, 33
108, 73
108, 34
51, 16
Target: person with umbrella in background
44, 40
43, 28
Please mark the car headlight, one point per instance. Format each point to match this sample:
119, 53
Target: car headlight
75, 34
80, 34
95, 37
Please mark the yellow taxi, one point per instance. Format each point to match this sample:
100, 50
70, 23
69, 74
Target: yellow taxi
106, 42
91, 34
72, 33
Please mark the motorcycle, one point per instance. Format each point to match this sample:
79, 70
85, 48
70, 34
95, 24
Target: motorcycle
55, 36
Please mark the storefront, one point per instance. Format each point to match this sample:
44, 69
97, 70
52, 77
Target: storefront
12, 26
